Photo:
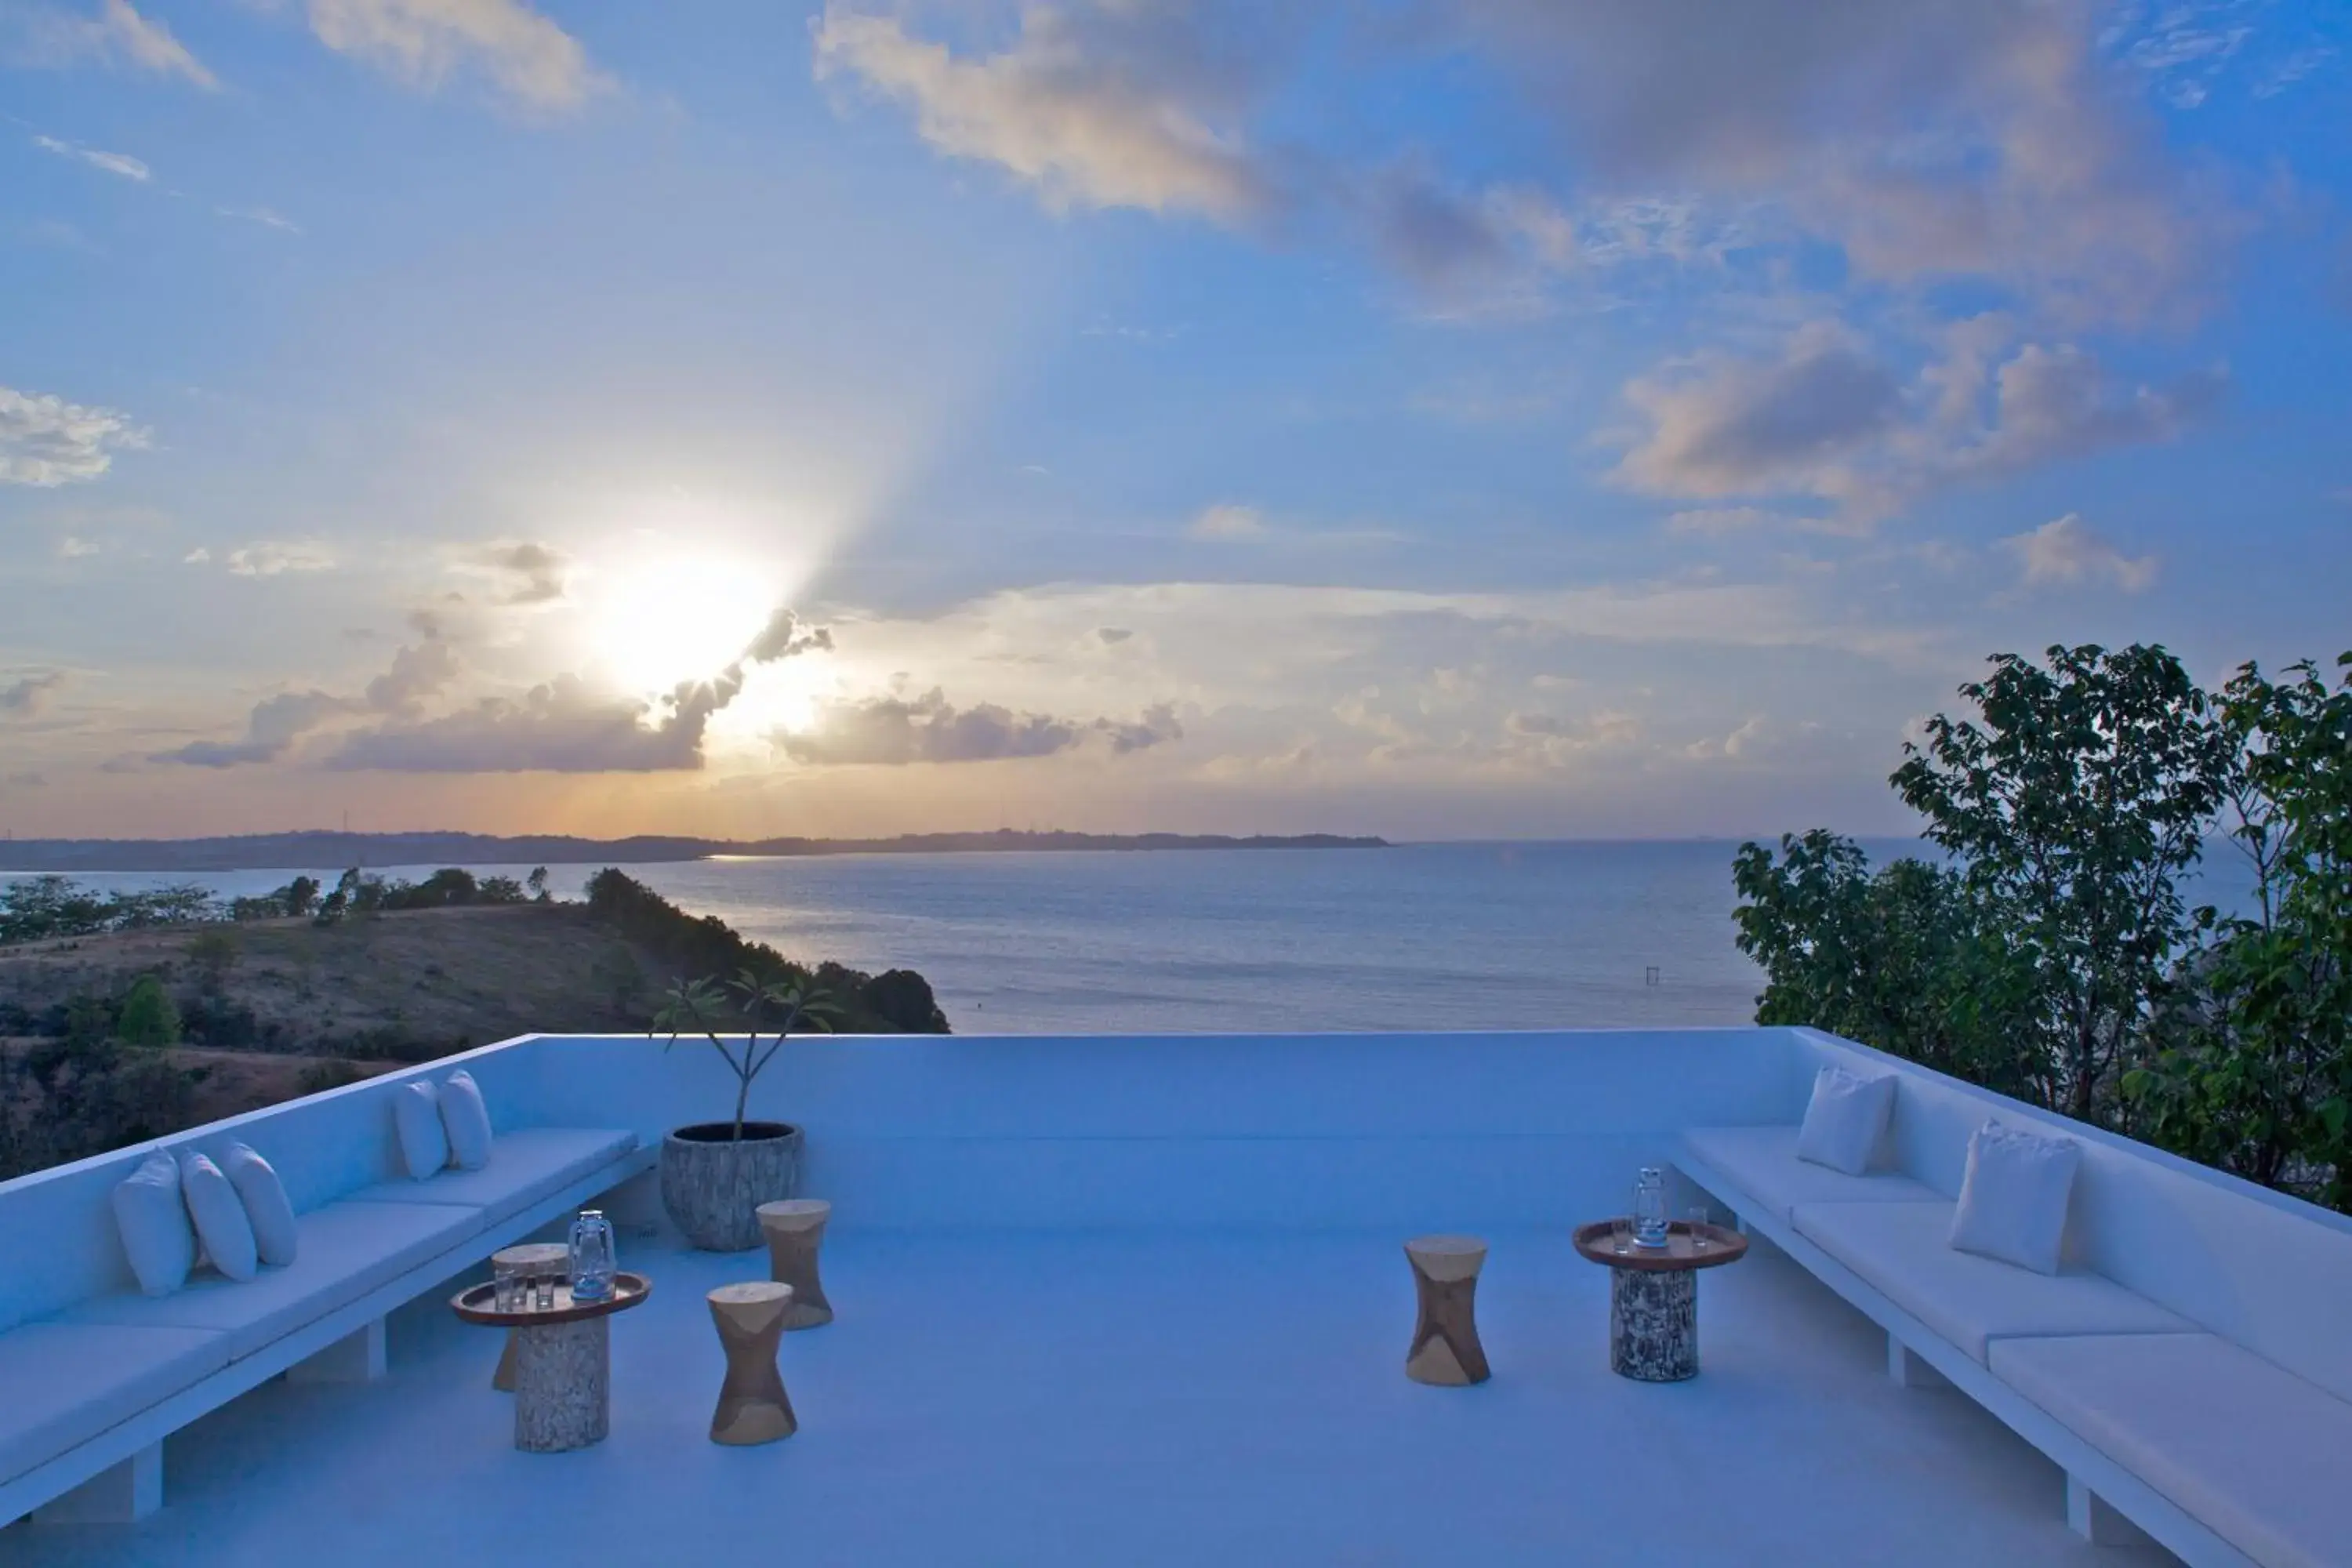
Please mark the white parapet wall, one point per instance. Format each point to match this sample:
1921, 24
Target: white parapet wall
1258, 1130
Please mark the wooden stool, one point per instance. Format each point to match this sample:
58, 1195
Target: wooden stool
1446, 1349
752, 1406
796, 1230
533, 1258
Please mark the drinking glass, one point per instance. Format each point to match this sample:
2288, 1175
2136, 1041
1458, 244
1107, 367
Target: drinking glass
545, 1285
1621, 1233
1699, 1240
507, 1286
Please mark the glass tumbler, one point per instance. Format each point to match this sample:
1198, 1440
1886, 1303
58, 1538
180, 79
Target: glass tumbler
1699, 1240
507, 1283
1621, 1234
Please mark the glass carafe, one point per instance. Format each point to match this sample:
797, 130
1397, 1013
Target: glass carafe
1650, 1207
592, 1260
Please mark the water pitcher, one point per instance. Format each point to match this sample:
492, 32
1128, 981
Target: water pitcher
593, 1261
1650, 1207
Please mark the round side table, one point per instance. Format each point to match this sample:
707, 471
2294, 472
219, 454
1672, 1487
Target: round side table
1653, 1295
564, 1360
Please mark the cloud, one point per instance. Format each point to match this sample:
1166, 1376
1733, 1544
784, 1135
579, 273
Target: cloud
1927, 141
122, 163
529, 573
272, 557
1716, 523
1115, 106
2058, 402
46, 441
897, 731
2064, 552
36, 34
421, 43
1724, 427
262, 216
26, 698
1824, 415
1111, 637
784, 636
418, 671
275, 724
563, 726
1228, 523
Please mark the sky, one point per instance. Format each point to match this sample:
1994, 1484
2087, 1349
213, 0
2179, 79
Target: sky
1439, 418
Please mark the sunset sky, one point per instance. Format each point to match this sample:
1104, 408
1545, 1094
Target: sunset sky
1431, 417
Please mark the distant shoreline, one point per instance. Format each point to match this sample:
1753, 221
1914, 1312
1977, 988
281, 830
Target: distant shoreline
278, 851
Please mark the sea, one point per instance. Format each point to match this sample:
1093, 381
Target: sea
1414, 936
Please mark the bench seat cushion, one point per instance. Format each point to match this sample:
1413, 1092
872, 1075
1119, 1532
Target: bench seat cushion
525, 1166
1906, 1251
2256, 1455
66, 1383
347, 1249
1763, 1161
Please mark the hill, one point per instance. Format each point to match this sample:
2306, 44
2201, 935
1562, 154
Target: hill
311, 851
262, 1010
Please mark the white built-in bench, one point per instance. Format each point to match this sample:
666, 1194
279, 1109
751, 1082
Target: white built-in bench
96, 1374
2189, 1367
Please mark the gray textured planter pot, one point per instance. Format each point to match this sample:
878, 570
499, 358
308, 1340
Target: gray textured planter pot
712, 1185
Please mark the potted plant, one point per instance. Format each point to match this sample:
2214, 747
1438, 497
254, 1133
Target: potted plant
715, 1175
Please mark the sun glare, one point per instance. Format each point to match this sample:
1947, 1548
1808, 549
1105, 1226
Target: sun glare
662, 621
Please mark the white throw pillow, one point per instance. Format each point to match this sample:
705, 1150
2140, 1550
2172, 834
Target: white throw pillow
153, 1220
220, 1219
1845, 1120
467, 1120
266, 1207
2013, 1198
424, 1143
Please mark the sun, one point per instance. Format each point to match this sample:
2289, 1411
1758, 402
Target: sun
664, 619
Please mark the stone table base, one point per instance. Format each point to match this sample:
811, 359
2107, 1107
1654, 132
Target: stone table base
1653, 1324
563, 1378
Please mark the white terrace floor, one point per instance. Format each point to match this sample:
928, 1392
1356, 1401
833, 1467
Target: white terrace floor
1029, 1398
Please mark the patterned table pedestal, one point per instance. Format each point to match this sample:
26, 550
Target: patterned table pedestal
564, 1386
795, 1232
1653, 1294
753, 1405
1653, 1324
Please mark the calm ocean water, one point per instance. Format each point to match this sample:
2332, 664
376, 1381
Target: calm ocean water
1419, 936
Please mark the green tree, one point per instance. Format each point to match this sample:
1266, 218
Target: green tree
2074, 803
2253, 1070
148, 1015
1903, 958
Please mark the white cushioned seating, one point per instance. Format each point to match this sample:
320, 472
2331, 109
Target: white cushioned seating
66, 1383
2258, 1455
525, 1166
347, 1251
1904, 1251
1763, 1161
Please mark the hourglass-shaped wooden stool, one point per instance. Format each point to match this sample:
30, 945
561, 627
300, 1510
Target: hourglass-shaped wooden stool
753, 1405
1445, 1348
795, 1231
